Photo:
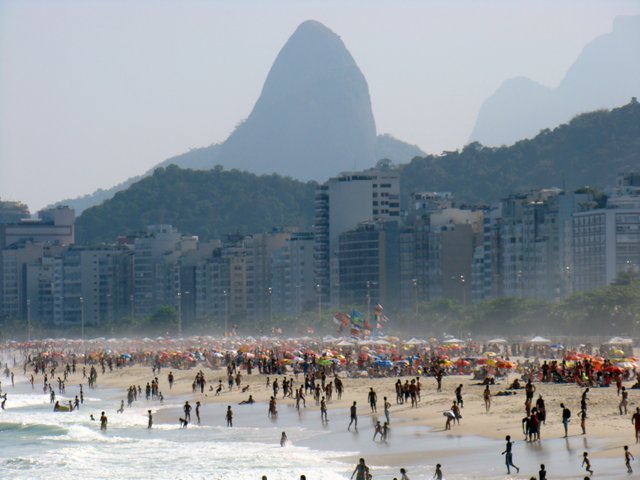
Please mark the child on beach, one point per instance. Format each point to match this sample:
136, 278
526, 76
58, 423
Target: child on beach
509, 456
627, 459
586, 463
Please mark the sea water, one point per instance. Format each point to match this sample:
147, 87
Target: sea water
37, 443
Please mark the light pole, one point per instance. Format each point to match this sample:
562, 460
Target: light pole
319, 292
28, 319
463, 283
414, 282
82, 319
368, 302
270, 294
226, 311
179, 315
131, 299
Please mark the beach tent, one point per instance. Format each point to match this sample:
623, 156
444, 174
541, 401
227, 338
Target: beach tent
497, 341
453, 340
344, 343
539, 341
415, 341
619, 341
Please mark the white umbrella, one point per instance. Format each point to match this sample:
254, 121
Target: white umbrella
344, 343
415, 341
539, 340
619, 341
453, 340
497, 341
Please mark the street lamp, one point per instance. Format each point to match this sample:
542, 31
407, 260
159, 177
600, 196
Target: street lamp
82, 319
414, 282
28, 319
319, 291
270, 294
369, 302
226, 311
463, 283
179, 315
131, 299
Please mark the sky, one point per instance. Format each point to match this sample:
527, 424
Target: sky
94, 92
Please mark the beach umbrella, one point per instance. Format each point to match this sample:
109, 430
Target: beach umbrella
617, 351
539, 340
462, 362
497, 341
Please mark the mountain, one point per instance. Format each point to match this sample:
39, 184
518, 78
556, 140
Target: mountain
605, 74
592, 149
312, 120
208, 203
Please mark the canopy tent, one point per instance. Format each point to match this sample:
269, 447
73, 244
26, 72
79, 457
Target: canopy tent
415, 341
453, 340
539, 341
344, 343
497, 341
619, 341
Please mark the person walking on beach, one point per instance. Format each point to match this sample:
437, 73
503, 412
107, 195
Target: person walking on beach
361, 471
635, 420
229, 417
508, 459
198, 412
377, 430
459, 396
586, 463
150, 419
582, 414
387, 406
624, 400
438, 473
486, 395
283, 439
627, 459
354, 417
566, 418
323, 411
403, 474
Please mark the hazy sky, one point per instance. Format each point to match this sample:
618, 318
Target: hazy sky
94, 92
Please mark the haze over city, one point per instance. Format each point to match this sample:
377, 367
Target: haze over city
92, 93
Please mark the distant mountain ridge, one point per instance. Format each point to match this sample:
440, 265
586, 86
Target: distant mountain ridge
605, 74
312, 120
590, 150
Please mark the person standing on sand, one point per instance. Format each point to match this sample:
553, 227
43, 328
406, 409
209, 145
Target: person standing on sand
387, 406
354, 417
627, 459
150, 419
508, 459
438, 473
403, 474
487, 398
373, 399
635, 420
198, 412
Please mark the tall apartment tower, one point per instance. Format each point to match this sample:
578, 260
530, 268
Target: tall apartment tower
341, 204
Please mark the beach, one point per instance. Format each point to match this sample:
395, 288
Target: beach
43, 443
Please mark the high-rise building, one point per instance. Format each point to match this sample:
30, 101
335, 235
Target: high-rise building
606, 241
54, 225
341, 204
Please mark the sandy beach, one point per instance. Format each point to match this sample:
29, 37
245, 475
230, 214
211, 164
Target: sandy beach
607, 430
